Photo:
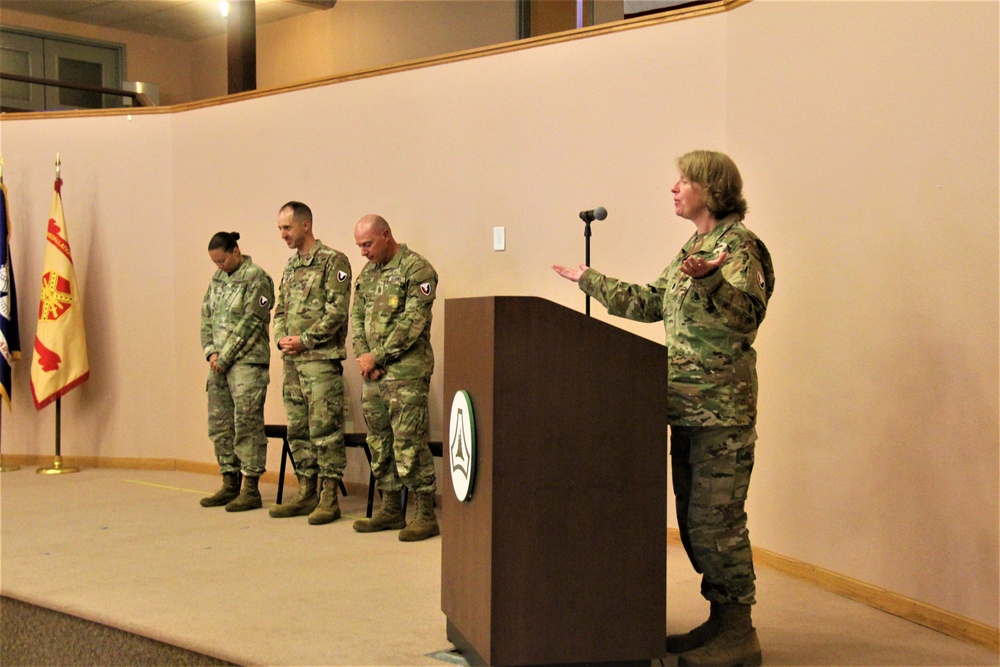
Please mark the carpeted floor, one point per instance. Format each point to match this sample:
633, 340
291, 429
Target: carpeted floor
31, 636
134, 551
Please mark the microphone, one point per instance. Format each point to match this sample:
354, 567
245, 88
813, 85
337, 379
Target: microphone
598, 213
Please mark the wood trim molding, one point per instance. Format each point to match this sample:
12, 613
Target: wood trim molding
679, 14
941, 620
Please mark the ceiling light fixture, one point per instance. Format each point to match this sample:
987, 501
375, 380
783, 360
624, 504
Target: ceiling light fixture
224, 8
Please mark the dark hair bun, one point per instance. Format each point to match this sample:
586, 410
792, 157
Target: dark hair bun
236, 236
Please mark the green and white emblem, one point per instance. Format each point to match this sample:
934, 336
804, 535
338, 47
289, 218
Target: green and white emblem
462, 445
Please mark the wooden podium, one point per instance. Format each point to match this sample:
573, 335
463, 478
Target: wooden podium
559, 555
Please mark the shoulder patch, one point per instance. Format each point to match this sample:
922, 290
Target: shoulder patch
263, 301
425, 289
341, 276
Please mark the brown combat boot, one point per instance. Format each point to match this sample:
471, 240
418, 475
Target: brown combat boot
424, 522
302, 504
389, 516
736, 645
328, 509
230, 489
249, 498
700, 635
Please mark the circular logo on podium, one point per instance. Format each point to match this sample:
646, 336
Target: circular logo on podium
462, 445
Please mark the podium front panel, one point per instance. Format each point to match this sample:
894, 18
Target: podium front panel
570, 497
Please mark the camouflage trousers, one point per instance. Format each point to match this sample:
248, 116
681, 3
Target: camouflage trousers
313, 392
236, 418
396, 414
711, 469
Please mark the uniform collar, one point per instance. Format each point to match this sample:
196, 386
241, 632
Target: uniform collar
710, 240
240, 270
307, 259
396, 259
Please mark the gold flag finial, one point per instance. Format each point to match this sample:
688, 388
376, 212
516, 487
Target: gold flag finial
58, 165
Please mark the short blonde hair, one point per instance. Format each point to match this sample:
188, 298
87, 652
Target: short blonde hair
720, 180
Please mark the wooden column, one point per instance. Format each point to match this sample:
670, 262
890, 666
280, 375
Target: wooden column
241, 45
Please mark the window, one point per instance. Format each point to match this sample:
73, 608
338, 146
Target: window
50, 57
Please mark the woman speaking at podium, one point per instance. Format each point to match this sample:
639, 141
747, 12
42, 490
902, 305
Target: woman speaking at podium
711, 299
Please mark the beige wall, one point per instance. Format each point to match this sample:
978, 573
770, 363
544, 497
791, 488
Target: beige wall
866, 151
872, 165
360, 34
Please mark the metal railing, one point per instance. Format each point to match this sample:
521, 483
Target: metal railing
138, 99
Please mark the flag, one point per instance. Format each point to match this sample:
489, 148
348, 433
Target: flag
60, 360
10, 339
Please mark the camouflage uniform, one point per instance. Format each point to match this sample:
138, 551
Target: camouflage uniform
391, 318
710, 323
234, 318
312, 303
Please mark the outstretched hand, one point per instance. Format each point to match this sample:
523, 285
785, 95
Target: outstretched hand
697, 267
570, 274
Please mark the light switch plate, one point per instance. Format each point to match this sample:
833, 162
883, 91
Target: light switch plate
499, 238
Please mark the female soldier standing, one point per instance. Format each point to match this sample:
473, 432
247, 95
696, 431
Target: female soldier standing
235, 315
711, 299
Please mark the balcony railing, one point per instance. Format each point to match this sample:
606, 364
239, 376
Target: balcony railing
138, 99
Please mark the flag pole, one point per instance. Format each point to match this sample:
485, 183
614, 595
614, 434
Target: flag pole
57, 466
4, 467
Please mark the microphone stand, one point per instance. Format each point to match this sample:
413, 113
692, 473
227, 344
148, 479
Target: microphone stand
586, 237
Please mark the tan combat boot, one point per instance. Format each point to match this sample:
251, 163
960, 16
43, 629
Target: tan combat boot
249, 498
302, 504
328, 509
424, 522
230, 489
700, 635
736, 645
389, 516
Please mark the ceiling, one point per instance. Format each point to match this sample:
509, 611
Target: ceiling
179, 19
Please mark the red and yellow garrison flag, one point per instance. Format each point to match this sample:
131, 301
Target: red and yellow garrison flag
10, 340
60, 360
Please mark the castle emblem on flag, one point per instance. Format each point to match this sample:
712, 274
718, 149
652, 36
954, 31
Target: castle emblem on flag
57, 296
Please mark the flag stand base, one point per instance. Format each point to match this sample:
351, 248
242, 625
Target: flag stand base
57, 468
9, 467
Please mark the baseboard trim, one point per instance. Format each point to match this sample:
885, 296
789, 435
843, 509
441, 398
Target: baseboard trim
941, 620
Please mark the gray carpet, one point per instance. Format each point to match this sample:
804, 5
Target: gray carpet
32, 636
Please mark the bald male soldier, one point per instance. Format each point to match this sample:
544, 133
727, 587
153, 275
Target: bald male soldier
391, 334
310, 328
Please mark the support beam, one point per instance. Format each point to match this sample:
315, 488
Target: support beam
241, 45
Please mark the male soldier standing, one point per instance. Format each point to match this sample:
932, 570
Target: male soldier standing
310, 327
391, 334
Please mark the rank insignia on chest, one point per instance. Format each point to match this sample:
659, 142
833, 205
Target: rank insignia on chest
425, 289
341, 276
